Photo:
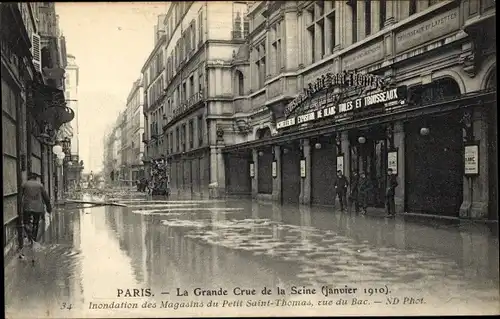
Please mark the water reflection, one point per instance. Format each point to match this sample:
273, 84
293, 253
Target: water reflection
56, 274
93, 251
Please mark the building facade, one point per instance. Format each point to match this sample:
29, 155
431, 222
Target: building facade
33, 105
74, 165
189, 94
135, 129
363, 86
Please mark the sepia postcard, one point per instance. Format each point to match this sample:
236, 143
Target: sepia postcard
249, 158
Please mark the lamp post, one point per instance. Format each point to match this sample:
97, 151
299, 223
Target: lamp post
59, 158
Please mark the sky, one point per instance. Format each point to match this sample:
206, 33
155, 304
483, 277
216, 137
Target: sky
110, 42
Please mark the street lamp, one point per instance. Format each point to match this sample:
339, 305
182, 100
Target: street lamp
57, 149
424, 131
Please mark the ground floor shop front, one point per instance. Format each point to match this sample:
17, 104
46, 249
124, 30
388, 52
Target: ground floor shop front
189, 173
443, 154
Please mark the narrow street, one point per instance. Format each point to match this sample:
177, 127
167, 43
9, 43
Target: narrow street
89, 254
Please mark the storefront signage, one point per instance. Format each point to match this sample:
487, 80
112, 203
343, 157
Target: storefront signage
274, 168
471, 159
428, 30
365, 56
330, 80
302, 168
391, 95
392, 161
252, 170
340, 163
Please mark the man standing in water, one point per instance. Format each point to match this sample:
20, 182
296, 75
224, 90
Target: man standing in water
353, 196
341, 185
34, 201
392, 183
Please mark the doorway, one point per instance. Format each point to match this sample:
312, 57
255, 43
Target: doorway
368, 154
290, 173
434, 165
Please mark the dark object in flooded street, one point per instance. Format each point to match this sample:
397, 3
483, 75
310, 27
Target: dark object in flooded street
96, 203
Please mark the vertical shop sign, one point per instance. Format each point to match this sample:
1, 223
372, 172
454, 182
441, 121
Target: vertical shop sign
471, 159
340, 163
392, 161
274, 168
252, 170
302, 168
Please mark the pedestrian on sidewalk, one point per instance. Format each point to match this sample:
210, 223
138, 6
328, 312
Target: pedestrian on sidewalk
341, 185
35, 200
392, 183
353, 195
365, 189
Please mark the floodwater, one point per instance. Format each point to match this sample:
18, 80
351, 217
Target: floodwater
93, 258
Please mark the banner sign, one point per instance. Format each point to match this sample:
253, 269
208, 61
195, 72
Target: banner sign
340, 163
392, 161
471, 159
302, 168
330, 80
391, 95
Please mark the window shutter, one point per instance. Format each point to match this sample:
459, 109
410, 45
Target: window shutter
36, 52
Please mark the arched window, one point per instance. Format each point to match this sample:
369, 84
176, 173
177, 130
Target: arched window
437, 91
263, 133
491, 83
240, 88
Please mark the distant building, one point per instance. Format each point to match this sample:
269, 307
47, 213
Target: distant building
134, 128
189, 96
74, 165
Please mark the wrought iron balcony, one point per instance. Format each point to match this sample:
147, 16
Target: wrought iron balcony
188, 105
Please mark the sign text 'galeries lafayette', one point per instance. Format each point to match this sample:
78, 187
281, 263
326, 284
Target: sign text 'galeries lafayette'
390, 95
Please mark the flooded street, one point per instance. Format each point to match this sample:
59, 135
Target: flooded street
91, 256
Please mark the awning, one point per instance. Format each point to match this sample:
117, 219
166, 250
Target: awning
50, 106
464, 101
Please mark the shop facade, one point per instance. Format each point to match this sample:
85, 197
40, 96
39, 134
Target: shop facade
423, 106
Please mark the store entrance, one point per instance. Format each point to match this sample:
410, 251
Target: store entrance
368, 153
434, 165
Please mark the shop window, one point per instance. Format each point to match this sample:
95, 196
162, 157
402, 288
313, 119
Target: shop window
437, 91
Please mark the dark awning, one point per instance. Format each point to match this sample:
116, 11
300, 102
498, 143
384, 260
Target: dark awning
50, 106
464, 101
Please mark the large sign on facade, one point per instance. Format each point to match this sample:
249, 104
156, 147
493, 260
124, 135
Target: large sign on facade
329, 80
397, 95
471, 159
428, 30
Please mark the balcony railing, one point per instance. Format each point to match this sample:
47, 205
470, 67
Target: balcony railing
237, 35
186, 106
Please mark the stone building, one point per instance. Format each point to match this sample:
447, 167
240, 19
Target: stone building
189, 94
135, 129
33, 104
363, 86
74, 165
